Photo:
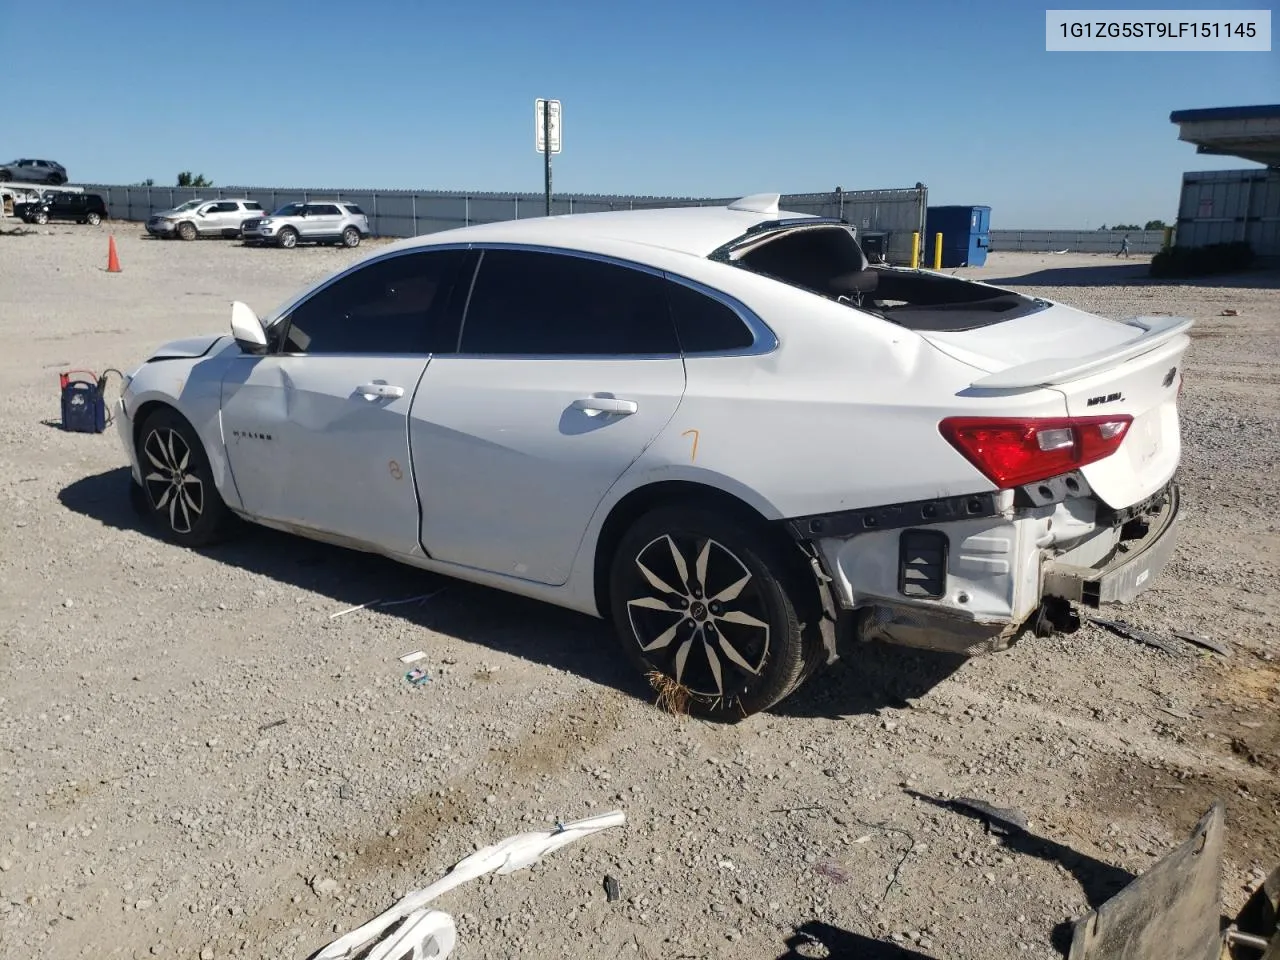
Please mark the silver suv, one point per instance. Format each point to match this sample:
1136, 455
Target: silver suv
325, 222
204, 218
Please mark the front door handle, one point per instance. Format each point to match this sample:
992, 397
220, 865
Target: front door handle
593, 406
380, 390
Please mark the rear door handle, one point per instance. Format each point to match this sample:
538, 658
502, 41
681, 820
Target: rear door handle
380, 390
594, 406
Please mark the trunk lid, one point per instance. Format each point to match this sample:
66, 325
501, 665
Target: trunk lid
1099, 367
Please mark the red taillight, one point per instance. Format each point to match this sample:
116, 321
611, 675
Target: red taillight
1012, 451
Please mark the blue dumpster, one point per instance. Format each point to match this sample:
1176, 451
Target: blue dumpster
966, 235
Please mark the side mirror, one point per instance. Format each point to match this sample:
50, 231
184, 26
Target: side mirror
247, 329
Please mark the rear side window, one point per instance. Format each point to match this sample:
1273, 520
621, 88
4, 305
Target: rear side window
225, 206
253, 205
322, 210
705, 324
352, 208
391, 306
534, 303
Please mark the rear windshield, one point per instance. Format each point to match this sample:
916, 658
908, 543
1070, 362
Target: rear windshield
827, 261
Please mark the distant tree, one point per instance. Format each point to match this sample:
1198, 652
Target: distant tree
187, 179
1126, 226
149, 182
1156, 225
1103, 227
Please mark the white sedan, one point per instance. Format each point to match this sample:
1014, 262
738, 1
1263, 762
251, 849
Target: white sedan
719, 428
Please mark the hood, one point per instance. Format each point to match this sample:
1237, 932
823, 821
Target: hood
188, 349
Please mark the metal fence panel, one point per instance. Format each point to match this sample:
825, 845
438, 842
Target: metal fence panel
407, 213
1075, 241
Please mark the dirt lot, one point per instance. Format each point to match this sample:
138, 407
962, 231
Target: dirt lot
150, 808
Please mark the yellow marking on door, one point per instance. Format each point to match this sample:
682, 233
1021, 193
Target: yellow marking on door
693, 455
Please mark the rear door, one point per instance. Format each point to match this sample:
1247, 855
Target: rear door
317, 431
220, 218
568, 368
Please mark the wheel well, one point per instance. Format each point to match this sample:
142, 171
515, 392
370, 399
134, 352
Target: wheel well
142, 413
669, 493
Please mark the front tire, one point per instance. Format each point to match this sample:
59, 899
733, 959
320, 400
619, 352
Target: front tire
288, 238
41, 218
707, 608
177, 481
187, 230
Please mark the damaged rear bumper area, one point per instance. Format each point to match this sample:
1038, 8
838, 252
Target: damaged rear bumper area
966, 575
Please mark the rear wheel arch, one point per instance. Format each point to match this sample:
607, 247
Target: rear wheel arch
686, 493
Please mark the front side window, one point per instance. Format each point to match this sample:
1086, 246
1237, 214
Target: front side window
227, 206
391, 306
291, 210
536, 303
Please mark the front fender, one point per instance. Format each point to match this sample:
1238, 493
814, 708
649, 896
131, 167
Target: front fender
193, 387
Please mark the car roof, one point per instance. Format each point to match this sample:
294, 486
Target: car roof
692, 230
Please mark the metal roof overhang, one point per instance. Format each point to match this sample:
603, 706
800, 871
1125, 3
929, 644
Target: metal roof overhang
1251, 133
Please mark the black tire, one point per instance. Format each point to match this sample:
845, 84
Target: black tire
723, 622
351, 237
287, 238
41, 218
94, 219
177, 482
187, 230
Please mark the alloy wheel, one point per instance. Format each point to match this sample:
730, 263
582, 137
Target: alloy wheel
699, 616
172, 485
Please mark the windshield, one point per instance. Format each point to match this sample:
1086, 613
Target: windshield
190, 204
290, 210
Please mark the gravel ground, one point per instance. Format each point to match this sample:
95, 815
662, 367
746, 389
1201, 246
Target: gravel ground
198, 759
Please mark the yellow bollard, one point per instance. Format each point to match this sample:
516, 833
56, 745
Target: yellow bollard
937, 251
915, 250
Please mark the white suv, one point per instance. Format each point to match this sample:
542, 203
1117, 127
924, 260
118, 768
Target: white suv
204, 218
326, 222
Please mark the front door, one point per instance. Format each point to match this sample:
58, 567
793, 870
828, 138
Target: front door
568, 369
321, 220
317, 431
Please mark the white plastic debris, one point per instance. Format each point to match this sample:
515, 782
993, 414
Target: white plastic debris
506, 856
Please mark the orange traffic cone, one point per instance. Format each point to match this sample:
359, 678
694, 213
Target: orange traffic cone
113, 260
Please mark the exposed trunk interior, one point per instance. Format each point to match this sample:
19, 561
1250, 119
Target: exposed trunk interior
826, 260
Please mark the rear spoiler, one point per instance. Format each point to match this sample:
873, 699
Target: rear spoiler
1046, 373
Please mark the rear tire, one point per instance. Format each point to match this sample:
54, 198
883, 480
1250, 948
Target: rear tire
351, 237
187, 230
288, 238
93, 219
178, 491
717, 608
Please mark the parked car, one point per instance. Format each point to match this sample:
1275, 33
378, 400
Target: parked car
33, 171
57, 205
719, 428
311, 222
204, 218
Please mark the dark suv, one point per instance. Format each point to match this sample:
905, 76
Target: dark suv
80, 207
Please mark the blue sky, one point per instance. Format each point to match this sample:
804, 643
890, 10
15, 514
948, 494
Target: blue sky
701, 97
